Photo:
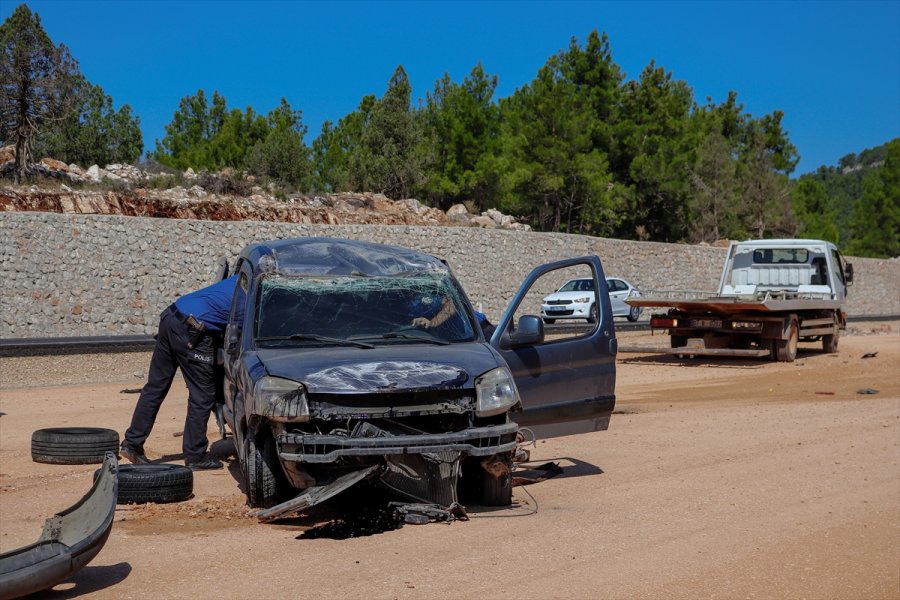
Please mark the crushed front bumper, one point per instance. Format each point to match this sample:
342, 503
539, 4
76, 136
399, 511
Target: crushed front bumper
475, 441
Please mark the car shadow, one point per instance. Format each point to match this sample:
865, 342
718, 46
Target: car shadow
88, 580
571, 467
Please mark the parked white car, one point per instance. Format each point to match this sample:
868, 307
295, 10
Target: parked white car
575, 300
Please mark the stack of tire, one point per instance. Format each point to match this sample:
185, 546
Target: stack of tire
138, 484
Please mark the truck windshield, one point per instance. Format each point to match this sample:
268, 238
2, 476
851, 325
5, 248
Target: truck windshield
781, 256
417, 308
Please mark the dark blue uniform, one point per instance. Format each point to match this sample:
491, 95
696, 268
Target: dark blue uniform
190, 331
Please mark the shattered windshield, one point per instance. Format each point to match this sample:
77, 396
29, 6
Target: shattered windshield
360, 311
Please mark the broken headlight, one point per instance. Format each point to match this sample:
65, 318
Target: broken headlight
280, 400
496, 392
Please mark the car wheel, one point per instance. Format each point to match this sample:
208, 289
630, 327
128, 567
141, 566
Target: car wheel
634, 314
592, 314
262, 470
786, 350
73, 445
549, 321
139, 484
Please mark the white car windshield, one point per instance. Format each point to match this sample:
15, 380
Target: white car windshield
361, 311
578, 285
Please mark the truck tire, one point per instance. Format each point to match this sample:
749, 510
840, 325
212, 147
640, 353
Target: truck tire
786, 350
677, 341
73, 445
262, 471
161, 483
830, 343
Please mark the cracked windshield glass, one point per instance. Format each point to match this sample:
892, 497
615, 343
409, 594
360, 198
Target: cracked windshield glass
361, 311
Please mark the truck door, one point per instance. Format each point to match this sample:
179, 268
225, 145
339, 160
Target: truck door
566, 373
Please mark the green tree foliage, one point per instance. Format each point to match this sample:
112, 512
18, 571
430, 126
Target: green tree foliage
38, 83
205, 135
462, 125
875, 220
389, 159
814, 211
95, 134
333, 149
283, 155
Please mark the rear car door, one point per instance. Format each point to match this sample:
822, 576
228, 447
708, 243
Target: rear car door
618, 291
566, 374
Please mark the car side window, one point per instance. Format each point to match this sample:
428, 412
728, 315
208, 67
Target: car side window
239, 303
615, 285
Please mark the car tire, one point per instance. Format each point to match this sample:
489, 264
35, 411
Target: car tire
592, 314
73, 445
786, 350
634, 314
262, 471
162, 483
549, 321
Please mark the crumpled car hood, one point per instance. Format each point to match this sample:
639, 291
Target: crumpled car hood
389, 368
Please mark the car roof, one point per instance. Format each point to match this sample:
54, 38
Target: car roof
338, 256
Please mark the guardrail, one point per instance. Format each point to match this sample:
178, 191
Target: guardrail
144, 343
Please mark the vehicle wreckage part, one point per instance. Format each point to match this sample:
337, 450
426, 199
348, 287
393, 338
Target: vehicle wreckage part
430, 478
73, 445
280, 400
496, 392
69, 541
315, 495
496, 481
160, 483
475, 441
420, 514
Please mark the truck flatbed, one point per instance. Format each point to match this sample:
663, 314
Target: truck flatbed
730, 305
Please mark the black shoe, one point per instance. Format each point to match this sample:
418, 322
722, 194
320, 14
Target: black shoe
134, 455
205, 462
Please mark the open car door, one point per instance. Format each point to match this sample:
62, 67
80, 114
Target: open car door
566, 374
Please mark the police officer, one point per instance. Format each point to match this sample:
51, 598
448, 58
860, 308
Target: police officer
190, 330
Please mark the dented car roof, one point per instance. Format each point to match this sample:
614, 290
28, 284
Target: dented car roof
329, 256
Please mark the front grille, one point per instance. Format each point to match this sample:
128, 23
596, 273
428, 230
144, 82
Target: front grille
559, 302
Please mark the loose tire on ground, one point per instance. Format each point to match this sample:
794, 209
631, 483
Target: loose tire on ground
139, 484
73, 445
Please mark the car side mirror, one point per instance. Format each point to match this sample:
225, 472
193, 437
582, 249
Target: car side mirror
529, 332
848, 273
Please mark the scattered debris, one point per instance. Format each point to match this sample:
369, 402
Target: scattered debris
867, 391
870, 355
528, 475
825, 393
130, 391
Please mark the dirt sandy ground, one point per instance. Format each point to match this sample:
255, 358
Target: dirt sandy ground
717, 479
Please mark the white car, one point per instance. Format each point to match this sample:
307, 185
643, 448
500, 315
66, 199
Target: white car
575, 300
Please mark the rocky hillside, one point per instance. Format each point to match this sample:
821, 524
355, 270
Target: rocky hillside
127, 190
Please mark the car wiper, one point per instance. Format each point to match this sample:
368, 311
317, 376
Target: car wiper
419, 338
315, 338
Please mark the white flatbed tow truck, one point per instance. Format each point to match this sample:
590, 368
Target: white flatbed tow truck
772, 295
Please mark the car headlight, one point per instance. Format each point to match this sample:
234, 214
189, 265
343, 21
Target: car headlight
280, 400
496, 392
584, 300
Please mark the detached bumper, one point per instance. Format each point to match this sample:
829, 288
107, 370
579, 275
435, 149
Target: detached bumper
476, 441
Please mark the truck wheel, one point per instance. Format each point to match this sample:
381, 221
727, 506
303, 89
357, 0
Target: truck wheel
262, 470
786, 350
73, 445
830, 343
592, 314
634, 314
677, 341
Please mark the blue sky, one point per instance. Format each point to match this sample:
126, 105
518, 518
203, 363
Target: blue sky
832, 67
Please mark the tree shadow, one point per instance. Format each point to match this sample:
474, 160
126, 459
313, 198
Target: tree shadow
88, 580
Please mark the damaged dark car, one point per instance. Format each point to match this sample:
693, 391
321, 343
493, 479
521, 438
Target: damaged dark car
346, 359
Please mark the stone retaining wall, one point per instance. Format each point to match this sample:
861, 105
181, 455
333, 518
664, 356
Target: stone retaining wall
86, 275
